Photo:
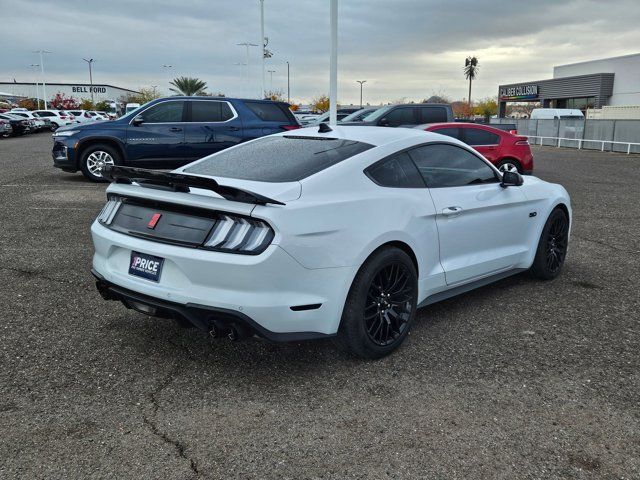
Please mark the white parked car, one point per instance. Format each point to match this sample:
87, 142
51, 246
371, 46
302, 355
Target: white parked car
320, 233
83, 116
39, 124
57, 118
104, 115
556, 114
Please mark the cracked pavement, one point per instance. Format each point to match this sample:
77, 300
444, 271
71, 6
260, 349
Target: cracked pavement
520, 379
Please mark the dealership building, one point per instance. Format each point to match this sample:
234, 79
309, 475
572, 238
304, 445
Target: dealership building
585, 85
79, 91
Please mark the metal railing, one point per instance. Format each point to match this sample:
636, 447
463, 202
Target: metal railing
581, 141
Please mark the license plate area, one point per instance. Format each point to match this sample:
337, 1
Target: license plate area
146, 266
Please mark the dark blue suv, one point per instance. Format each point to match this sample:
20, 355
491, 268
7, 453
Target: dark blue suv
167, 133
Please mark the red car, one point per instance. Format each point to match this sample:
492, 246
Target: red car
505, 150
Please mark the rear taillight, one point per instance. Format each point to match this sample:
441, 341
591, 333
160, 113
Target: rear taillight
513, 132
109, 211
522, 142
239, 235
289, 127
63, 117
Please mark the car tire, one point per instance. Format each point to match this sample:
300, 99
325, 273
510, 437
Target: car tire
95, 157
381, 305
509, 165
552, 247
53, 127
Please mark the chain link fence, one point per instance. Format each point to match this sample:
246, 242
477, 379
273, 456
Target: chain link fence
605, 135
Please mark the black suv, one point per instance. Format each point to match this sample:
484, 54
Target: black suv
167, 133
408, 115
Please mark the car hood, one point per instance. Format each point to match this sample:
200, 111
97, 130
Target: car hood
89, 126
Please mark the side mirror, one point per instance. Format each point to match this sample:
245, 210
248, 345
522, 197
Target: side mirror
384, 122
511, 179
138, 120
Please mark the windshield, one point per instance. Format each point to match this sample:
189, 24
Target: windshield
359, 115
278, 158
377, 114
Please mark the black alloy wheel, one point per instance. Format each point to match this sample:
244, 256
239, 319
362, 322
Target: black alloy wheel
389, 305
552, 246
381, 304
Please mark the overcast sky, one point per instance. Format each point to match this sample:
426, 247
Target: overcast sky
403, 48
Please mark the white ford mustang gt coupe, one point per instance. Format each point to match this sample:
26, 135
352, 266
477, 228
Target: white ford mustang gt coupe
320, 232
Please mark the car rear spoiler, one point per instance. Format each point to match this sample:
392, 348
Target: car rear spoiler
180, 182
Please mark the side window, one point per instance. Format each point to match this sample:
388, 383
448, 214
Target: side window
269, 112
400, 116
477, 136
165, 112
398, 171
449, 132
210, 111
444, 165
432, 115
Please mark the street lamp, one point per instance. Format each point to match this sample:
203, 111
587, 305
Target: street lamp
44, 91
333, 64
361, 82
167, 66
271, 79
247, 45
35, 66
288, 85
90, 62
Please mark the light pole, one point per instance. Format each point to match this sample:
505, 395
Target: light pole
288, 85
263, 46
333, 65
247, 45
271, 80
44, 90
90, 62
361, 82
154, 89
35, 66
164, 65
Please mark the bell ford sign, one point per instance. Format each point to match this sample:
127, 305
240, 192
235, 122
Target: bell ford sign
84, 89
519, 92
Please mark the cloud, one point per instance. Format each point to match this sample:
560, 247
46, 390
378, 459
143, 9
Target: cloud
404, 48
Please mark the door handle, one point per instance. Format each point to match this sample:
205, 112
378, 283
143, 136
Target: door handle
234, 129
175, 129
452, 211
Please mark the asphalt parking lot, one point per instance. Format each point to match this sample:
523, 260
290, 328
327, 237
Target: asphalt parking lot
521, 379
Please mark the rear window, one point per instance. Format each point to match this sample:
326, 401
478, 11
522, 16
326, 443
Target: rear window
269, 112
432, 114
278, 159
210, 111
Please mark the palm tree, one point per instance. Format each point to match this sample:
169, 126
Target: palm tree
471, 68
188, 86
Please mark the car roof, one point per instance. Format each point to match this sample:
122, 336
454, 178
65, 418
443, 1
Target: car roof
375, 136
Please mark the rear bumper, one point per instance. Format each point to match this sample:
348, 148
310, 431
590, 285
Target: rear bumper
272, 292
203, 317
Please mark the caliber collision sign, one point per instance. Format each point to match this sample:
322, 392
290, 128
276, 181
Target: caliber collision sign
519, 92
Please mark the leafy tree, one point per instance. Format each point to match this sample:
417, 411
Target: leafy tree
188, 86
471, 67
294, 107
320, 104
62, 102
275, 95
28, 103
103, 106
461, 109
87, 104
487, 108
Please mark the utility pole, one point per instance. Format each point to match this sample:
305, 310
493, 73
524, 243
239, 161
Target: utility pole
333, 65
247, 45
262, 44
288, 85
35, 66
361, 82
44, 91
90, 62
